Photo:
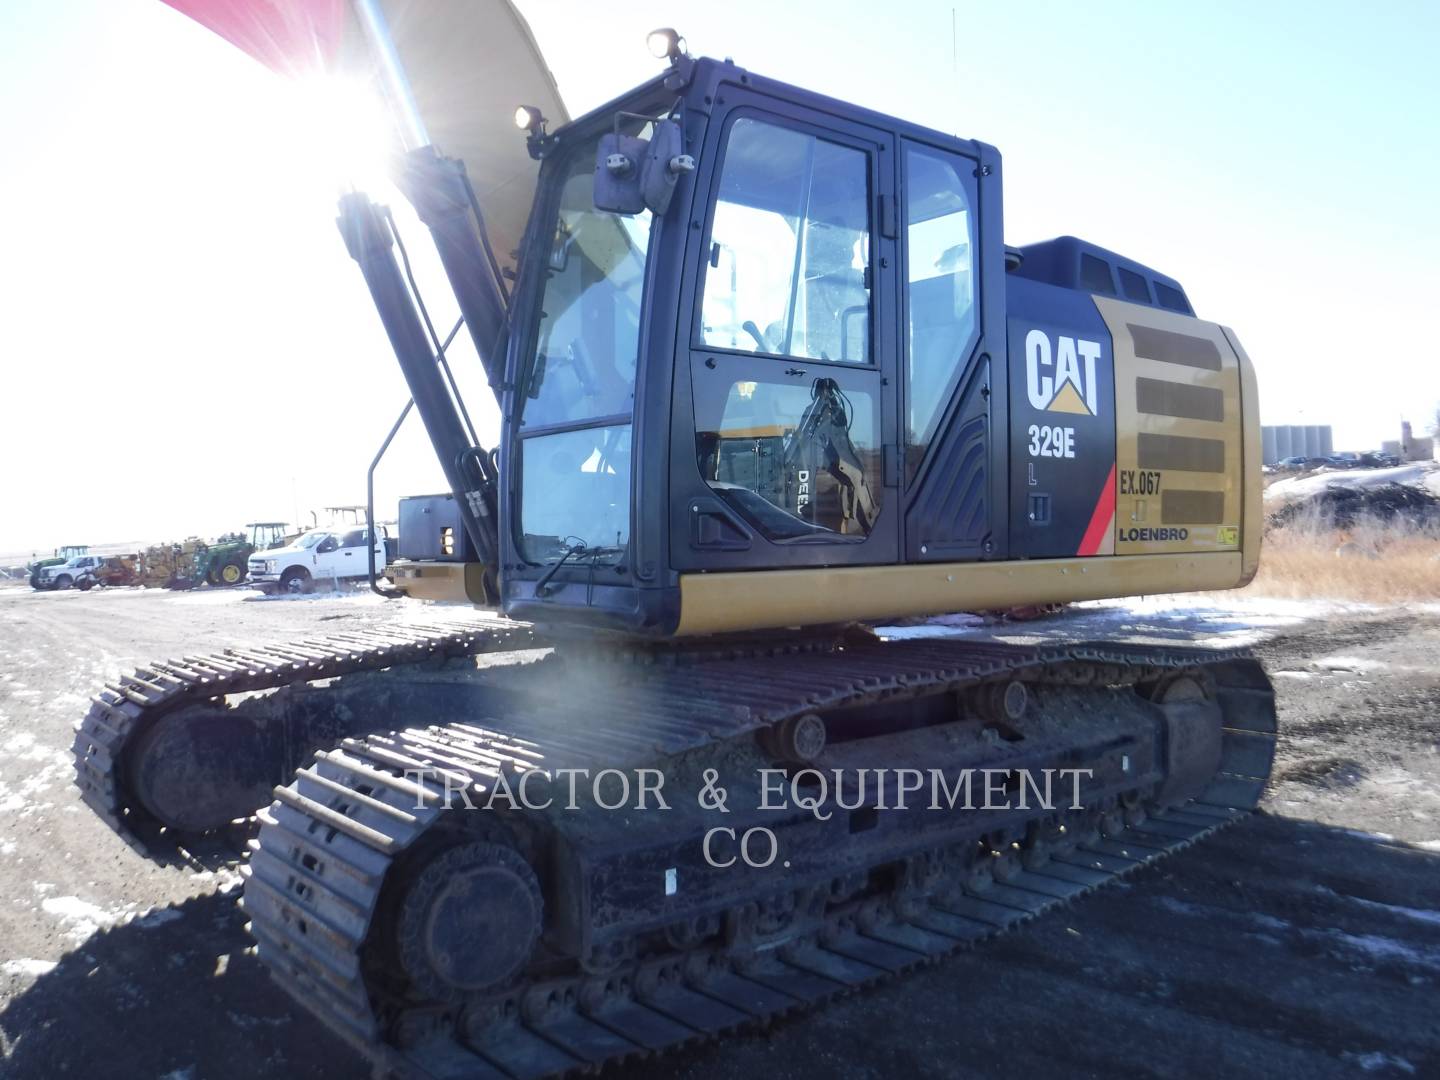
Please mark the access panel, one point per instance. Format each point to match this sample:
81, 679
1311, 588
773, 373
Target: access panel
1180, 444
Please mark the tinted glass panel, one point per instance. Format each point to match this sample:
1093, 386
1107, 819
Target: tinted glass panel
1095, 275
940, 284
789, 247
589, 334
575, 488
1135, 286
1171, 298
798, 460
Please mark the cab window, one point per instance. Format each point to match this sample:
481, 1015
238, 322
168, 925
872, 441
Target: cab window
578, 393
355, 538
799, 460
939, 286
589, 335
788, 262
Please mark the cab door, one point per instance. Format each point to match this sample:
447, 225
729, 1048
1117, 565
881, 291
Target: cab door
784, 448
352, 559
955, 469
325, 556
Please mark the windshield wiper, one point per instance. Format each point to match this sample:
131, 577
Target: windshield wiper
542, 587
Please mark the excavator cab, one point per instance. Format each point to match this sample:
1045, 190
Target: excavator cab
764, 360
741, 373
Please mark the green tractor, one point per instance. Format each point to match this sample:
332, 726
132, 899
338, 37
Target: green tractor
195, 562
223, 562
62, 554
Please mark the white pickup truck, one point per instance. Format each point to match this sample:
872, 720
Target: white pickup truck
70, 571
317, 557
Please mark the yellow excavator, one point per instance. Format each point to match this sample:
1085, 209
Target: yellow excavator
768, 375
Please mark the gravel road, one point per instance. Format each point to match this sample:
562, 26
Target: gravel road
1304, 941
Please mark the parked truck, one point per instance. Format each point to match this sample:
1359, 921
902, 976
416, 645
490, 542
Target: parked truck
63, 575
62, 555
319, 556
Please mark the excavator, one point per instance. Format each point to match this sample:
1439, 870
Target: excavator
768, 377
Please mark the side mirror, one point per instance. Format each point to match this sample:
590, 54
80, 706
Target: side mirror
665, 160
634, 174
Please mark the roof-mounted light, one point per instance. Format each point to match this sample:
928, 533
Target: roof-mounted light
665, 44
529, 118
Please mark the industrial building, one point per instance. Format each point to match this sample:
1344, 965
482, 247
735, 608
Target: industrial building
1410, 447
1296, 440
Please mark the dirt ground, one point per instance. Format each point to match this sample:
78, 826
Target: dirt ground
1304, 941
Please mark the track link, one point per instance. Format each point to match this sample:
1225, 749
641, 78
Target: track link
326, 846
126, 707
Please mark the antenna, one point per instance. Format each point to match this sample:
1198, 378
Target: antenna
954, 65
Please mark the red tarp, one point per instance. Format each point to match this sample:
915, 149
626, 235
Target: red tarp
293, 37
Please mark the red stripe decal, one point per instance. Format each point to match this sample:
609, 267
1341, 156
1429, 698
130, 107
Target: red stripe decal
1100, 520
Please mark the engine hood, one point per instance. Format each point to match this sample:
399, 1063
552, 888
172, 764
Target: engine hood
291, 552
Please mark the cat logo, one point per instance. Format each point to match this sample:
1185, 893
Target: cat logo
1054, 380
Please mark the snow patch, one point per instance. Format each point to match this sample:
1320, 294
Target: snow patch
28, 967
925, 630
1419, 474
1350, 663
1377, 947
1424, 915
72, 907
1375, 1061
1176, 618
210, 597
1181, 907
1270, 922
158, 917
1373, 837
81, 917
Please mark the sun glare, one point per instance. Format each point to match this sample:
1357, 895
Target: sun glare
350, 136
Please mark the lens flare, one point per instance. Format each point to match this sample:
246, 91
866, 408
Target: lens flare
351, 135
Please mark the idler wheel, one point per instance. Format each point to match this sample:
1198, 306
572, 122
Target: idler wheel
198, 769
470, 920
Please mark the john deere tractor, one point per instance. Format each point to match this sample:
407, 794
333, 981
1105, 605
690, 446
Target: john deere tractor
219, 562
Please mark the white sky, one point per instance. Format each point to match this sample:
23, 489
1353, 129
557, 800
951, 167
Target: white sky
187, 347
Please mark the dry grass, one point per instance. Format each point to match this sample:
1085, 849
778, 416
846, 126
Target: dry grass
1376, 562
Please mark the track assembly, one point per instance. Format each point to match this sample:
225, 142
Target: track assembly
368, 870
